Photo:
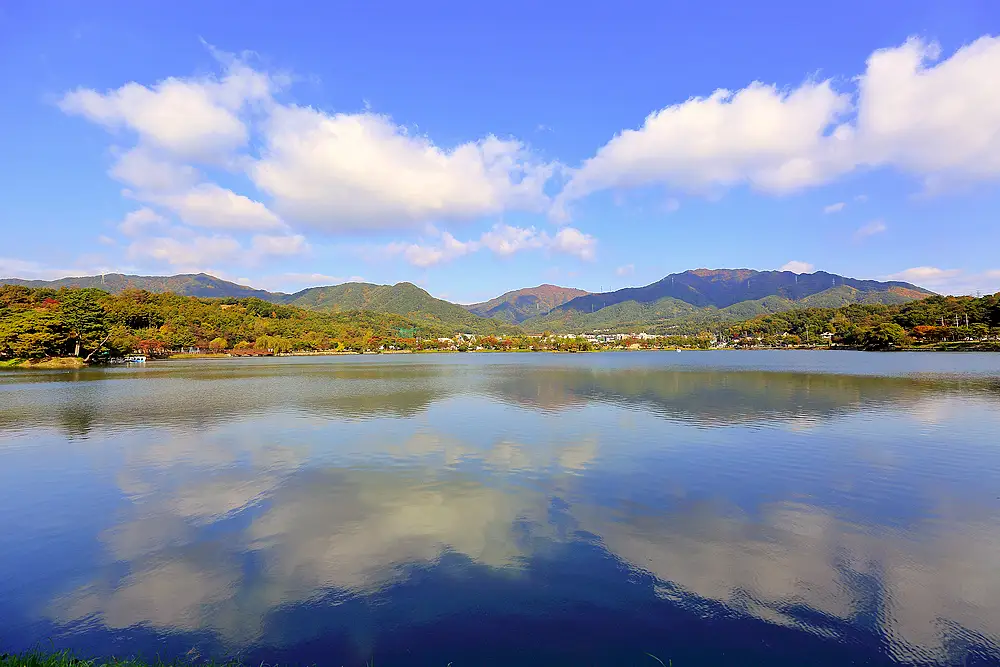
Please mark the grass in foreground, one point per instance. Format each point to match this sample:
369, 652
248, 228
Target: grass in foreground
38, 658
67, 659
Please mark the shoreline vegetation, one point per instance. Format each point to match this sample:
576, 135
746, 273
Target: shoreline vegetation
75, 363
66, 328
38, 658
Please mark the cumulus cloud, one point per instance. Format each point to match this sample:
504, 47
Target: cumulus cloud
502, 240
507, 240
927, 275
572, 241
362, 171
140, 221
190, 254
144, 171
872, 228
951, 281
795, 266
264, 245
195, 118
834, 208
937, 120
424, 255
208, 205
775, 140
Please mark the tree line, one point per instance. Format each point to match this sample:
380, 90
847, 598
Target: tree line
93, 324
936, 319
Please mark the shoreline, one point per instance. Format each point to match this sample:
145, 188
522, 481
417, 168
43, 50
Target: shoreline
76, 363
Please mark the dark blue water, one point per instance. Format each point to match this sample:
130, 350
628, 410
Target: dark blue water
731, 508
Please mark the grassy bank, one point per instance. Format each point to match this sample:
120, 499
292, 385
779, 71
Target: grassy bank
49, 362
67, 659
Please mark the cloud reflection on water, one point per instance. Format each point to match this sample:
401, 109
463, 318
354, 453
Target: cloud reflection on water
232, 518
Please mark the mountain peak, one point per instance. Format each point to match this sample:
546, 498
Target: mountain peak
519, 305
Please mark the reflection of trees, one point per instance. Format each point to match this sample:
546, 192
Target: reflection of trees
712, 397
213, 392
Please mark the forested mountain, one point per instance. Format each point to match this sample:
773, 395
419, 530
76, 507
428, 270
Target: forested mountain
402, 299
200, 285
519, 305
693, 298
43, 322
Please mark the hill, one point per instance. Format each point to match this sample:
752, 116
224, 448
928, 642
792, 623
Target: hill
692, 300
518, 305
402, 299
200, 285
698, 298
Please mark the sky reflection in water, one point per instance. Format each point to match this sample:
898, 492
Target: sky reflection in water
789, 509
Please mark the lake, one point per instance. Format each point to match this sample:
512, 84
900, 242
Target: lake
705, 508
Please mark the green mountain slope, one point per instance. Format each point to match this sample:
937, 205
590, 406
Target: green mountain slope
721, 288
403, 299
668, 314
519, 305
200, 285
691, 300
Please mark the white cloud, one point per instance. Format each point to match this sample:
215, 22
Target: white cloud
264, 245
362, 171
861, 199
421, 255
140, 221
626, 270
572, 241
191, 254
950, 281
774, 140
194, 118
938, 121
872, 228
507, 240
503, 240
795, 266
208, 205
834, 208
927, 275
672, 205
141, 169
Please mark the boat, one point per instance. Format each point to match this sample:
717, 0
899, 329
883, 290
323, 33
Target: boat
134, 359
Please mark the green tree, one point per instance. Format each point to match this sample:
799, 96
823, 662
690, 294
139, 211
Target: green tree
218, 344
85, 319
31, 334
883, 336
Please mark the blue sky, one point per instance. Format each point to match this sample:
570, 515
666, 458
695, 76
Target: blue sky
474, 148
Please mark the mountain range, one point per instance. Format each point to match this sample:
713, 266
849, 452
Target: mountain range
520, 305
690, 299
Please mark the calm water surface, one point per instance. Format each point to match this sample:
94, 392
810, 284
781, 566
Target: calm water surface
732, 508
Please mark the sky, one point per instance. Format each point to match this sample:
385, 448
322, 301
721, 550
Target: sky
475, 148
